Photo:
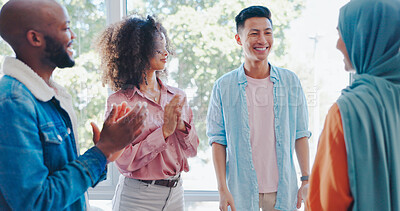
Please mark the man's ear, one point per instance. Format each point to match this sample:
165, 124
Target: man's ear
237, 38
35, 38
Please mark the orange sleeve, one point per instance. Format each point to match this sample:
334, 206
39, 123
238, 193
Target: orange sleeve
329, 182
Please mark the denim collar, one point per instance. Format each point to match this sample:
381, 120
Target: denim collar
242, 76
37, 86
40, 90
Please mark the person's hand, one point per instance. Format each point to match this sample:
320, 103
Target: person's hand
122, 109
96, 133
172, 111
225, 200
96, 137
305, 195
120, 128
181, 124
302, 193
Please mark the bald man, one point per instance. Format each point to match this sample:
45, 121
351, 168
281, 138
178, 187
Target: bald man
40, 168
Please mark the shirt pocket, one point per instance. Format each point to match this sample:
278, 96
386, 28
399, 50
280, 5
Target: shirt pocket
53, 134
54, 142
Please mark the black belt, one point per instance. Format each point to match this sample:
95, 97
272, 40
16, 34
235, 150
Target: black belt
162, 182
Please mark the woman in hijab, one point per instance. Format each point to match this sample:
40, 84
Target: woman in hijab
357, 166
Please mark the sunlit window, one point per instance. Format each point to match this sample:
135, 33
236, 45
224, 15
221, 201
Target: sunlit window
5, 49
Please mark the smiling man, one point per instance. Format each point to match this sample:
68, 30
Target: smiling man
256, 119
40, 168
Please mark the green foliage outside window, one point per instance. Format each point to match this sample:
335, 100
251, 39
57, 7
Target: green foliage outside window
202, 32
83, 81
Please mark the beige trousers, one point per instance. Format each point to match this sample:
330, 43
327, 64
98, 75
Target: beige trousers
267, 201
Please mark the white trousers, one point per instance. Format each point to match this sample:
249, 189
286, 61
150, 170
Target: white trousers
132, 194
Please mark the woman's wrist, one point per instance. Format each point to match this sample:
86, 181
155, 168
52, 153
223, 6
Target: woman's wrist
165, 134
182, 127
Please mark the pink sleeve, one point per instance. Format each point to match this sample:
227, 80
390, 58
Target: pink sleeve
142, 151
189, 141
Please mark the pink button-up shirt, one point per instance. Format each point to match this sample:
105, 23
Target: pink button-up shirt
150, 156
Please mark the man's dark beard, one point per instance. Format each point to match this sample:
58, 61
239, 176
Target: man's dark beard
57, 53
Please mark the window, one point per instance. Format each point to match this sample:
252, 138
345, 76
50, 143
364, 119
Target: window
5, 49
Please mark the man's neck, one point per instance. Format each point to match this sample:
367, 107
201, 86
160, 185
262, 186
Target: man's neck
45, 74
44, 71
258, 69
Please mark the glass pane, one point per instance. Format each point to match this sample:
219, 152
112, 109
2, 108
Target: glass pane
202, 33
5, 49
100, 205
83, 81
201, 206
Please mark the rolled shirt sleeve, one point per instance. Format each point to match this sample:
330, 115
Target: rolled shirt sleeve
302, 115
215, 120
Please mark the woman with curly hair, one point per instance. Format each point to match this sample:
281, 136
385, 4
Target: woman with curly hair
133, 53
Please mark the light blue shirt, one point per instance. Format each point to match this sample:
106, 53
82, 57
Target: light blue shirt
228, 124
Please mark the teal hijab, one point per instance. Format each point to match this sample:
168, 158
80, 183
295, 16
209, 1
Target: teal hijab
370, 106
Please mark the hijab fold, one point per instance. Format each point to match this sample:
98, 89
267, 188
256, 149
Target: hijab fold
370, 106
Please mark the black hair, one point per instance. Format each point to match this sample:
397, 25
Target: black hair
251, 12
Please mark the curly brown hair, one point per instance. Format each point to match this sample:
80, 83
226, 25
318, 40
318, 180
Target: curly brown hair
126, 48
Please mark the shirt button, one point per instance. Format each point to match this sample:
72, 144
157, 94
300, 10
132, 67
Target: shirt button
68, 131
59, 137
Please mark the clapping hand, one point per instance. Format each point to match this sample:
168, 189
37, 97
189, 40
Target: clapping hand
173, 116
120, 128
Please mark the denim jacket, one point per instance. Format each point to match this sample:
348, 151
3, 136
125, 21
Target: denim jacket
228, 124
39, 164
